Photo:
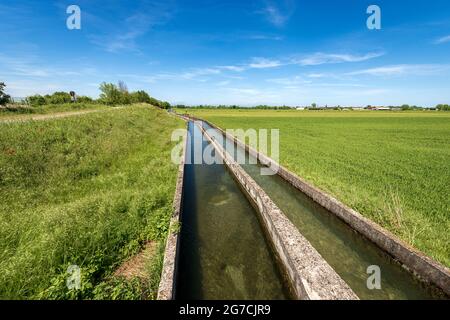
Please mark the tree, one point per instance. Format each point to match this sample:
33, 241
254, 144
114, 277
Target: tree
405, 107
164, 104
443, 107
140, 96
110, 93
4, 98
122, 86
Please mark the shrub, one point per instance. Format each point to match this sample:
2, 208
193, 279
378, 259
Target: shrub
85, 99
58, 98
36, 100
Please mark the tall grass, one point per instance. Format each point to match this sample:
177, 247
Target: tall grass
86, 191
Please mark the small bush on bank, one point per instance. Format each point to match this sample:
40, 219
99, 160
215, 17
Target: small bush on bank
36, 100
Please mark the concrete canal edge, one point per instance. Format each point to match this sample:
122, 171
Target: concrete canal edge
420, 265
310, 276
166, 290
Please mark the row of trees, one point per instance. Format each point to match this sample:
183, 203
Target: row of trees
58, 97
182, 106
314, 106
111, 94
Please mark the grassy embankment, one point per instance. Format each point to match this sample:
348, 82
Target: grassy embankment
91, 191
392, 167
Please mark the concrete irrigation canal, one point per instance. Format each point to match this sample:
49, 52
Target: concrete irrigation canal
223, 252
250, 236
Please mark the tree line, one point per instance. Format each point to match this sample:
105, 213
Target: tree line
111, 94
314, 106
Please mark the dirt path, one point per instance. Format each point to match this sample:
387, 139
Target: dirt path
39, 117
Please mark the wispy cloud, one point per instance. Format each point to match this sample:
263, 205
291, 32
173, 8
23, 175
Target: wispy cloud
264, 63
193, 74
264, 37
308, 60
316, 75
260, 63
403, 69
279, 13
442, 40
324, 58
233, 68
30, 66
124, 35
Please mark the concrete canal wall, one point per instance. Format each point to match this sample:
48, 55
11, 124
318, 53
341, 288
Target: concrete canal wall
310, 276
167, 284
415, 261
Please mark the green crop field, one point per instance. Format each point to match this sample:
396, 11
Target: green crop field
87, 190
392, 167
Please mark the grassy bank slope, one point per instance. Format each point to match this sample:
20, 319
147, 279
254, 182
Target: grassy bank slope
87, 190
392, 167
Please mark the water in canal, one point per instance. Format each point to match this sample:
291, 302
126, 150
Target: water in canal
223, 252
346, 251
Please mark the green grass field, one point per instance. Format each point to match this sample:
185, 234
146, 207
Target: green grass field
392, 167
86, 190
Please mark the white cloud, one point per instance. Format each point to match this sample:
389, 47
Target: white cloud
233, 68
337, 84
314, 59
199, 72
323, 58
442, 40
30, 66
122, 35
264, 37
256, 63
278, 14
403, 69
193, 74
263, 63
316, 75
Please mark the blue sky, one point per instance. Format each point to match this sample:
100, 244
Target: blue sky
232, 52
